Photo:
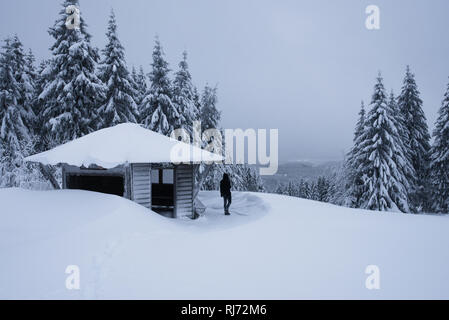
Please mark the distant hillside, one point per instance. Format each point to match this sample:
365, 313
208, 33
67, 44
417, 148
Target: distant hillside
296, 170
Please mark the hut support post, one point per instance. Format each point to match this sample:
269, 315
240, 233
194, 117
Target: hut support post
201, 180
49, 176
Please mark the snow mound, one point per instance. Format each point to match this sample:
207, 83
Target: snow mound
271, 247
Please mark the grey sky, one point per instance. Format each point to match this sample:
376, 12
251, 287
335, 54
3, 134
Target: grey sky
300, 66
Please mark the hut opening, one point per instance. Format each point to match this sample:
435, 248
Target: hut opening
98, 183
163, 191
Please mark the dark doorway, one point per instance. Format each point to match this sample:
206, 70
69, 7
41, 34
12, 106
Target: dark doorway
104, 184
162, 192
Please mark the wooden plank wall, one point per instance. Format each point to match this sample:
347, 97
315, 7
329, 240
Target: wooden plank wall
184, 191
141, 184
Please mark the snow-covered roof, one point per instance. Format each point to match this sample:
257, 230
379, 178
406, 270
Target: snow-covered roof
124, 143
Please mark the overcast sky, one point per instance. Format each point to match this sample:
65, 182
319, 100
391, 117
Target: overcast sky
298, 66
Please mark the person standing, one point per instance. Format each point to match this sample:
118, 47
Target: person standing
225, 190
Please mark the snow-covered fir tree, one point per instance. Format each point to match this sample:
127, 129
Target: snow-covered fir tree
338, 186
354, 182
417, 139
439, 166
140, 85
302, 189
158, 112
38, 104
313, 191
30, 71
319, 190
212, 177
307, 190
209, 114
292, 189
360, 126
280, 188
30, 67
407, 169
16, 141
72, 92
381, 157
13, 129
134, 78
184, 95
245, 178
25, 80
252, 181
323, 186
119, 105
197, 103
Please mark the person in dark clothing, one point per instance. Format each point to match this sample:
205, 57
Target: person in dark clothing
225, 190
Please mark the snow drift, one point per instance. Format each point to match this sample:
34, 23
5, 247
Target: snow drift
272, 247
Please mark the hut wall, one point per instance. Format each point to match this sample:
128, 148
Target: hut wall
184, 190
141, 184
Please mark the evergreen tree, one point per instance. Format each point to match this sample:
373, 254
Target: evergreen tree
72, 92
302, 192
440, 159
292, 189
210, 116
280, 189
339, 192
134, 78
417, 138
30, 68
25, 80
158, 112
322, 186
212, 178
313, 192
336, 188
250, 179
355, 183
119, 106
140, 85
360, 126
197, 103
382, 157
307, 190
15, 139
43, 76
31, 73
210, 119
184, 95
408, 169
12, 126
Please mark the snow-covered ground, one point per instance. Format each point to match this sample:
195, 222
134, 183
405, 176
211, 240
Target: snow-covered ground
272, 247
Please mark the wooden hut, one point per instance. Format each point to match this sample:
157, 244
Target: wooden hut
129, 161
